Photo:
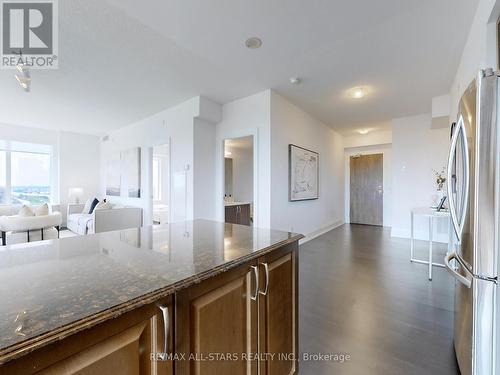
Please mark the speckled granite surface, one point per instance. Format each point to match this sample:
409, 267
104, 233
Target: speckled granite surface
51, 284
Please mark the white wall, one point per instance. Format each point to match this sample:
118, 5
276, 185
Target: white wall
204, 169
291, 125
173, 126
386, 151
79, 164
480, 50
249, 116
416, 150
179, 127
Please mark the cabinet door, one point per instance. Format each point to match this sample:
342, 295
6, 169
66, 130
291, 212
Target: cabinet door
218, 317
244, 214
123, 345
231, 215
278, 333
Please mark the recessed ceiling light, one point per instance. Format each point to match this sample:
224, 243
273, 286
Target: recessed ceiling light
253, 43
357, 92
295, 80
363, 131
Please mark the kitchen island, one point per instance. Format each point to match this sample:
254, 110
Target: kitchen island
196, 297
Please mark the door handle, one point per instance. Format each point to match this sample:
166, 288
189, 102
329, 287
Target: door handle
464, 280
467, 178
256, 274
166, 328
458, 223
266, 268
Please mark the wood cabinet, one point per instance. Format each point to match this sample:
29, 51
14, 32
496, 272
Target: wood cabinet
119, 346
278, 311
241, 321
232, 314
218, 316
238, 214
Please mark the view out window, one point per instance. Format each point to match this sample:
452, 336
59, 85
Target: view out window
3, 189
25, 176
156, 179
30, 178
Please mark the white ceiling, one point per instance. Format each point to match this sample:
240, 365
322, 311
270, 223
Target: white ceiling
122, 60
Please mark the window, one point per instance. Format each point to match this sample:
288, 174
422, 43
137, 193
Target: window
25, 173
3, 182
156, 179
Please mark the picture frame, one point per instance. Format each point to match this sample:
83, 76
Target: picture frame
441, 204
303, 174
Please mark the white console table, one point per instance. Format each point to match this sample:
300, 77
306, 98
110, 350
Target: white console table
431, 214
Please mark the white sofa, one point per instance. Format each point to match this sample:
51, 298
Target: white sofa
19, 229
102, 220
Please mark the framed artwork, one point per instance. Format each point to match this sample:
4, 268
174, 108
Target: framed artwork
123, 174
131, 163
303, 174
113, 176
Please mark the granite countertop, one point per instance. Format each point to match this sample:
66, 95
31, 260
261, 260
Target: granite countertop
228, 204
50, 285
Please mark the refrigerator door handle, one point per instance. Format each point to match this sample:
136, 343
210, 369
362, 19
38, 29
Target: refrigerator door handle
451, 156
458, 223
464, 280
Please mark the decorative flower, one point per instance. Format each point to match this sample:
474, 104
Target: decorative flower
440, 177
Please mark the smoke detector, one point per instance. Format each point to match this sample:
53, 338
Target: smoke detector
253, 43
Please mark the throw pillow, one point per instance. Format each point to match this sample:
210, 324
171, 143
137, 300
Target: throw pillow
26, 211
103, 205
42, 210
92, 206
86, 208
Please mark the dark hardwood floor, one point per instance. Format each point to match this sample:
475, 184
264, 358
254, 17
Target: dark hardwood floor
360, 295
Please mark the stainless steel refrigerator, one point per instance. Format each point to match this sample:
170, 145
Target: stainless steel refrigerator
474, 200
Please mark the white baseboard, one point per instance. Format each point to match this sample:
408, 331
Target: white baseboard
319, 232
419, 235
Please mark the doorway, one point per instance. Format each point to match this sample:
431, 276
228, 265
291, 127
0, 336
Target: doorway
239, 180
160, 168
366, 189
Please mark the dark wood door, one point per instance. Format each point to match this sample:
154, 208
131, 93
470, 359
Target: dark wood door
366, 189
278, 312
218, 316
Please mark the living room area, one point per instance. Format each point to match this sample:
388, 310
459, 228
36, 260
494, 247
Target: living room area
50, 185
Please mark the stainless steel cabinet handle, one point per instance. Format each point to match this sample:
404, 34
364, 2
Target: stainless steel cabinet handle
256, 274
266, 267
464, 280
166, 328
